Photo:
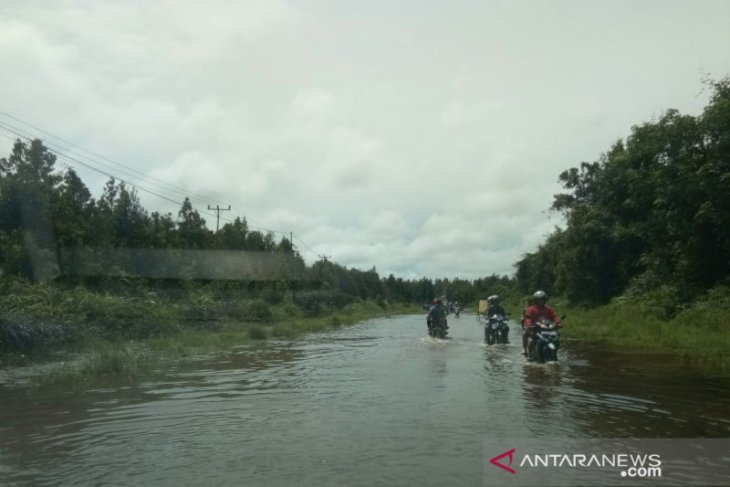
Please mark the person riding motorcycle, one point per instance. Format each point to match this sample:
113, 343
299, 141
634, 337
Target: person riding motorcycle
494, 308
436, 313
458, 307
535, 313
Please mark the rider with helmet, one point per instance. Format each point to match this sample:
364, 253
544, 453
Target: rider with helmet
436, 313
535, 313
494, 308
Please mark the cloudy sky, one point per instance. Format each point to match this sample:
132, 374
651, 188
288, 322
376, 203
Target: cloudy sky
422, 137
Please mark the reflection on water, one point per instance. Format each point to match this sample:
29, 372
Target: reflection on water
377, 403
542, 387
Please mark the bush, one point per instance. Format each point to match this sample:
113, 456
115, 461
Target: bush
24, 333
256, 332
285, 311
258, 310
273, 294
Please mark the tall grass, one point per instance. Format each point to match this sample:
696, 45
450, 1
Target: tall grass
700, 334
126, 336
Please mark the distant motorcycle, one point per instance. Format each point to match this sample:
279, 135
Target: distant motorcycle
546, 342
496, 330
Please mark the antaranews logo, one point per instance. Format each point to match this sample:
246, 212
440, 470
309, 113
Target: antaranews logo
599, 462
508, 454
631, 465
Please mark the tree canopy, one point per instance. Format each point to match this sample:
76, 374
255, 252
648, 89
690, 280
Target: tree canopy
50, 224
652, 211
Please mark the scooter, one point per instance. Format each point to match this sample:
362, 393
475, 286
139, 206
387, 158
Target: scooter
496, 330
438, 329
545, 343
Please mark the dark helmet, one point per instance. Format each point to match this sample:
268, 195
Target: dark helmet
540, 296
436, 300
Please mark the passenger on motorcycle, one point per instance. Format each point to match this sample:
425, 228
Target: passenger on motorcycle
436, 313
493, 306
535, 313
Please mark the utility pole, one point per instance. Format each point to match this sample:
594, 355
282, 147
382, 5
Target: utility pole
292, 277
218, 210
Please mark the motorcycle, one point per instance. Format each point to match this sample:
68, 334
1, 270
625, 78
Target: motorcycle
438, 329
545, 342
496, 330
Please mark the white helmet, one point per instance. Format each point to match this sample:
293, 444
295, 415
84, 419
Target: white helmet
540, 296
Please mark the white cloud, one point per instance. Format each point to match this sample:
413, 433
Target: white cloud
425, 147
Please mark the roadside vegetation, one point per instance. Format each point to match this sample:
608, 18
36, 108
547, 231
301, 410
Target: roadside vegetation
40, 318
78, 348
120, 285
644, 257
696, 335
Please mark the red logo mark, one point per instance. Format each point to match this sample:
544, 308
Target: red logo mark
508, 453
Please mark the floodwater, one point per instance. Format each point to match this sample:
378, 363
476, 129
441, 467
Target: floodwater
377, 403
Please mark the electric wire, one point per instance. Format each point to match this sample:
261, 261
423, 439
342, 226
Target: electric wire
60, 150
297, 237
77, 160
74, 161
89, 164
126, 169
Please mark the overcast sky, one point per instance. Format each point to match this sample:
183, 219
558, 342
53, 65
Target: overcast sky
422, 137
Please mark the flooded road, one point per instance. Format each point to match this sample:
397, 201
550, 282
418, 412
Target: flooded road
373, 404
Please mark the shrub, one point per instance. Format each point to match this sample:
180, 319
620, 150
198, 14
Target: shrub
258, 310
22, 332
256, 332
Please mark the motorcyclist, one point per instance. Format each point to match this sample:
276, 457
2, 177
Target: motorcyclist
494, 308
535, 313
436, 313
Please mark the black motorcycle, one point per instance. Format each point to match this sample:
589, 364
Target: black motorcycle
496, 330
438, 329
545, 342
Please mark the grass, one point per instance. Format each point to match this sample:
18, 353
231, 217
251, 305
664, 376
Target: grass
99, 356
699, 335
122, 362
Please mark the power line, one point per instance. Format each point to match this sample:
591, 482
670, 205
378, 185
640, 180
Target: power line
141, 174
18, 132
218, 210
134, 185
306, 246
62, 150
90, 164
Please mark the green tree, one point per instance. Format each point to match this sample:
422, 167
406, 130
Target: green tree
232, 236
650, 211
28, 184
191, 227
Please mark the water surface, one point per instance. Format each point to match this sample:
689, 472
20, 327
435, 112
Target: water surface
377, 403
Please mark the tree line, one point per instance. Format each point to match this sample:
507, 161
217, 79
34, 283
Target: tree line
52, 228
650, 216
